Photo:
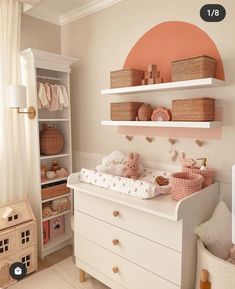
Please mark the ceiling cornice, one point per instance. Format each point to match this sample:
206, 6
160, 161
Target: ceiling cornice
45, 15
86, 10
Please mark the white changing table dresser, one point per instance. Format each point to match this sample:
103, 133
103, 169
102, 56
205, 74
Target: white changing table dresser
138, 244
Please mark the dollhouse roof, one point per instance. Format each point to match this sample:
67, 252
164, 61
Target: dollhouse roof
15, 213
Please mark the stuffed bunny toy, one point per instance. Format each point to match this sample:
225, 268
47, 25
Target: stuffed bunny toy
132, 167
231, 258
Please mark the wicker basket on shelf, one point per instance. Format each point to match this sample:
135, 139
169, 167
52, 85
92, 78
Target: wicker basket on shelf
185, 184
195, 109
126, 78
197, 67
126, 111
51, 140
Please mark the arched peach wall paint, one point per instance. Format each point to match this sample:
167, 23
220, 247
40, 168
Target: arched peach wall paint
171, 41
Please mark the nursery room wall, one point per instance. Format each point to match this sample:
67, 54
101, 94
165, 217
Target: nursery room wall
40, 35
102, 42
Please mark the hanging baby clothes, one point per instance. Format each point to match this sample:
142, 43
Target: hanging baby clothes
42, 95
65, 95
54, 105
60, 96
48, 91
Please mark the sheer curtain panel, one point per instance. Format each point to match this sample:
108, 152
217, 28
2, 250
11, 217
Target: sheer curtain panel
13, 155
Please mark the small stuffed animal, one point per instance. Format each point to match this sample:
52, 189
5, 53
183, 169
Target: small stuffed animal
231, 257
132, 167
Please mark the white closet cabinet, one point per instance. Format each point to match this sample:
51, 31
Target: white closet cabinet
51, 68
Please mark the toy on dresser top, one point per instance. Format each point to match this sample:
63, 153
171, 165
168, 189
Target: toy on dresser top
131, 168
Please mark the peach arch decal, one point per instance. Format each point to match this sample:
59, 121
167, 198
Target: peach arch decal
169, 41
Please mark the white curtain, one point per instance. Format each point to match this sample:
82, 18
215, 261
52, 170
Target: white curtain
13, 182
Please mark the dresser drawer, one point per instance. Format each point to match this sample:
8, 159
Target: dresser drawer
127, 274
160, 230
152, 256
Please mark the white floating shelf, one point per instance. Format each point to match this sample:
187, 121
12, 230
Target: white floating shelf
187, 84
179, 124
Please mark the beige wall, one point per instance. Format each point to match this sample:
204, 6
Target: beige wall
39, 34
102, 41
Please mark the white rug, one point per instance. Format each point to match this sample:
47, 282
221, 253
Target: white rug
60, 276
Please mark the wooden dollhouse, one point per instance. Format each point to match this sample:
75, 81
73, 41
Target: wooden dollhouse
18, 239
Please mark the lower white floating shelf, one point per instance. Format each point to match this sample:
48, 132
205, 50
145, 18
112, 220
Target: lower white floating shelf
179, 124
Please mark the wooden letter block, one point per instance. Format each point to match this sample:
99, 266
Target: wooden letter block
151, 67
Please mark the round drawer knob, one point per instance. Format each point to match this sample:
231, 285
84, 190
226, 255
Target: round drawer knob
115, 270
115, 242
115, 213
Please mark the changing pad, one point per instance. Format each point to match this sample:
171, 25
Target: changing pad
144, 188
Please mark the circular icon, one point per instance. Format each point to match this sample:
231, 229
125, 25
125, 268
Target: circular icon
18, 271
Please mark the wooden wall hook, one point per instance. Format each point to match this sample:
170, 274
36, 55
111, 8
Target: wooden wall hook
129, 138
199, 142
149, 139
171, 141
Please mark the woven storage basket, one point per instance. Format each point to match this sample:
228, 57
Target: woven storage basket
195, 109
197, 67
54, 191
221, 273
124, 110
207, 174
51, 141
126, 77
185, 184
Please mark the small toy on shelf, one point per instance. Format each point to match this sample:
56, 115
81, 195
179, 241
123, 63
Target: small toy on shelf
50, 175
44, 170
144, 112
57, 227
152, 75
161, 114
61, 204
131, 168
46, 212
55, 166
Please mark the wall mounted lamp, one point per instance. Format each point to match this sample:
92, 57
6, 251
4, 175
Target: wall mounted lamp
18, 100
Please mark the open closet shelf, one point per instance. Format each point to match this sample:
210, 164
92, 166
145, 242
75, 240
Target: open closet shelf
53, 181
187, 84
65, 238
179, 124
54, 156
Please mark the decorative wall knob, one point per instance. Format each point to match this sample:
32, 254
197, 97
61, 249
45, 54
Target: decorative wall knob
115, 242
115, 213
115, 270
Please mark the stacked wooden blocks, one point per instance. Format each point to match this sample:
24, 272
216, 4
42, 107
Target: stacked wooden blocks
152, 75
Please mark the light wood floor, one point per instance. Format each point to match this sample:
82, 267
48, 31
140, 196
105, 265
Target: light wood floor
55, 258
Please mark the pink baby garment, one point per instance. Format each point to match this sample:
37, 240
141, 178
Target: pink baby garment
54, 105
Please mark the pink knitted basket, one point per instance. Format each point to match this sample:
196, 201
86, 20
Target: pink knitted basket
184, 184
208, 174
